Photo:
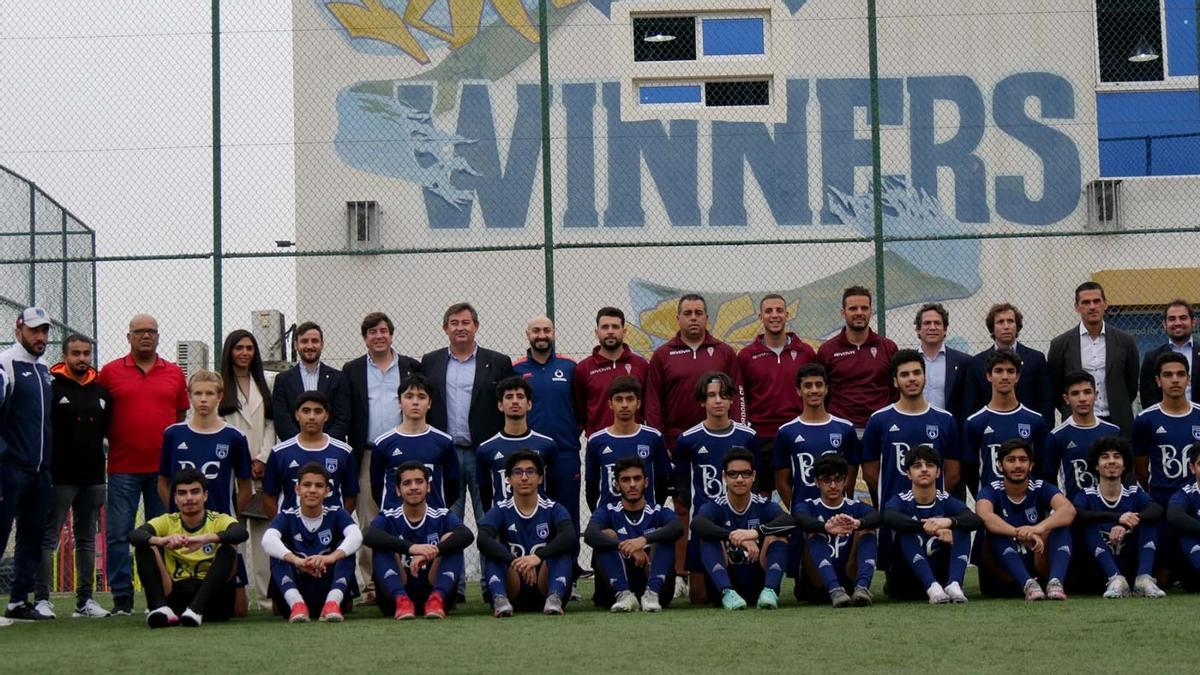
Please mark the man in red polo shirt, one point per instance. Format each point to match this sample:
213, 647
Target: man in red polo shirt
857, 360
148, 395
610, 359
769, 365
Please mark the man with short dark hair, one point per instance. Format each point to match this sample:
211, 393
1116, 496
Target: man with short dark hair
516, 401
1002, 418
611, 358
856, 362
1004, 323
1068, 444
414, 439
1162, 432
310, 374
945, 368
1179, 322
310, 445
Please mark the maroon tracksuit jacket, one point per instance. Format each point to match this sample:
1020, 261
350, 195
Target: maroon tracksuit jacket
593, 376
671, 405
769, 381
860, 380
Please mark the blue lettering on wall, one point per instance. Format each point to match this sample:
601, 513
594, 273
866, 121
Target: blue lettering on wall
957, 153
841, 151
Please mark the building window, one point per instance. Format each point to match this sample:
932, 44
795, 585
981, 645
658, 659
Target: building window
362, 223
1129, 40
664, 38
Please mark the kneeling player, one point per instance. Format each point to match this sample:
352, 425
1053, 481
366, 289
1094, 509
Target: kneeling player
186, 560
1111, 516
527, 543
1183, 519
842, 539
933, 532
418, 557
633, 544
312, 551
1027, 533
740, 543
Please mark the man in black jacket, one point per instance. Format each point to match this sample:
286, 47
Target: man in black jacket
79, 419
1179, 322
310, 374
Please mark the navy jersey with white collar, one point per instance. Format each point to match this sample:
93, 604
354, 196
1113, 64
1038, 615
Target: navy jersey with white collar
308, 537
700, 453
526, 533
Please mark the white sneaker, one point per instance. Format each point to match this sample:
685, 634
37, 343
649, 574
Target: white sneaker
44, 609
681, 587
5, 621
90, 609
1146, 587
955, 592
1117, 587
626, 602
650, 602
190, 618
937, 594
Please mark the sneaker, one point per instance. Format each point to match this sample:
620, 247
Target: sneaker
404, 608
44, 608
90, 609
161, 618
731, 600
554, 606
368, 596
1117, 587
768, 599
25, 612
862, 597
650, 602
332, 612
4, 621
435, 606
575, 595
191, 619
955, 592
122, 607
681, 587
299, 613
1055, 591
1145, 586
937, 594
839, 598
501, 607
626, 602
1033, 591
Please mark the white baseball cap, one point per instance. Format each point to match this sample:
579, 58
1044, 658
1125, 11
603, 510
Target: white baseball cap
33, 317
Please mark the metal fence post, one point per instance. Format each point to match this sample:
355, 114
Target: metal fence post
876, 170
216, 188
547, 191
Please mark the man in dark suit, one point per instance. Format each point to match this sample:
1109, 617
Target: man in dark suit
1004, 323
309, 375
465, 406
945, 368
1109, 354
1179, 321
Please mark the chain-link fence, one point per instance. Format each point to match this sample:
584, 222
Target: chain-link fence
324, 159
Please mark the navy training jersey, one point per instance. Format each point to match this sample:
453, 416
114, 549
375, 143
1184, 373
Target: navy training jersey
700, 454
435, 524
284, 464
798, 445
491, 455
432, 448
1067, 449
817, 508
1188, 499
524, 534
1133, 499
553, 411
987, 429
1032, 508
890, 434
308, 537
759, 511
605, 448
1164, 438
631, 525
220, 455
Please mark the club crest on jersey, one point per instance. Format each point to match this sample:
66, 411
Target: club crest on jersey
931, 432
208, 549
874, 352
1023, 430
1196, 431
325, 536
710, 351
222, 450
432, 540
835, 440
628, 368
643, 451
794, 357
1031, 514
543, 530
331, 464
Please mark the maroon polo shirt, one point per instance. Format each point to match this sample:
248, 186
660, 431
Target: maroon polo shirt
675, 368
593, 376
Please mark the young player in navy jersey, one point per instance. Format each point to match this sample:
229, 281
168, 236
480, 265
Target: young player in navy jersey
1001, 419
933, 534
1027, 529
312, 549
1068, 444
515, 396
526, 543
741, 546
1161, 433
698, 458
414, 440
206, 443
624, 438
803, 440
312, 444
1183, 521
1120, 524
418, 550
633, 545
842, 540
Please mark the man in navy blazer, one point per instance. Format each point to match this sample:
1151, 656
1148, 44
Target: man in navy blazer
1179, 321
1034, 390
464, 376
309, 374
945, 368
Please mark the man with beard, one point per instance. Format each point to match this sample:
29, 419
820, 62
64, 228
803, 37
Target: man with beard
611, 358
856, 363
1179, 322
310, 374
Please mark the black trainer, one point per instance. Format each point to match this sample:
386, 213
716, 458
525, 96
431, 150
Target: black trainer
25, 612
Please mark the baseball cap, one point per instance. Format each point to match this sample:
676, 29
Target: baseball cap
33, 317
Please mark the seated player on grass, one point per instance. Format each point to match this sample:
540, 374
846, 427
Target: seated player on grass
418, 550
1120, 523
932, 532
527, 543
312, 548
187, 560
1183, 520
743, 543
1027, 531
841, 539
633, 545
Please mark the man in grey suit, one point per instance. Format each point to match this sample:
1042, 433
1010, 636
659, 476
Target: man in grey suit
1110, 355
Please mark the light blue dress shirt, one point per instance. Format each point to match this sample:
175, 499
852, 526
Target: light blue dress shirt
460, 380
383, 403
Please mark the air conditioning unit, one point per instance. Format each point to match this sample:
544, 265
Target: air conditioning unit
267, 327
191, 355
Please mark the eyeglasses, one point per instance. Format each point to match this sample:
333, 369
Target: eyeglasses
516, 473
748, 473
830, 480
144, 331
